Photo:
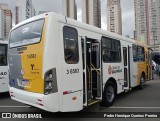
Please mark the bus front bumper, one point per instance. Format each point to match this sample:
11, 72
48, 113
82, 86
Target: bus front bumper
45, 102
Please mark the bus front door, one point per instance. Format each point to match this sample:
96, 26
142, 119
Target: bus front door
92, 84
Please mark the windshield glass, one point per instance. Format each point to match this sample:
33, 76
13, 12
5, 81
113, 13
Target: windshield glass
27, 34
3, 55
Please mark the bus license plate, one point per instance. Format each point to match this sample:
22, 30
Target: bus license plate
25, 82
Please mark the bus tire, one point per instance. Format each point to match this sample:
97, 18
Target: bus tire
142, 82
108, 95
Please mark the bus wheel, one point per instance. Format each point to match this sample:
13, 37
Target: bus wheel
109, 95
142, 82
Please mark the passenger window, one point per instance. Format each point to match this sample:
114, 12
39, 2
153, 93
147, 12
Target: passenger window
3, 55
134, 49
125, 56
70, 37
140, 54
111, 50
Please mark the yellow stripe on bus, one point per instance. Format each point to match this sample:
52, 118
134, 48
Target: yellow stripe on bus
31, 60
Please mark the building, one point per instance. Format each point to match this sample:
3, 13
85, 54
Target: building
24, 10
5, 20
154, 21
141, 21
114, 18
69, 8
147, 21
91, 12
158, 20
1, 23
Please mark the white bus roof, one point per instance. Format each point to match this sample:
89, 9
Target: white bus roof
3, 42
75, 23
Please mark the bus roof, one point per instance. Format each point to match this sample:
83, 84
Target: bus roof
98, 30
3, 42
41, 16
79, 24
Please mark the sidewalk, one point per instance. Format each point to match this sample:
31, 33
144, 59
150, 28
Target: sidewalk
156, 77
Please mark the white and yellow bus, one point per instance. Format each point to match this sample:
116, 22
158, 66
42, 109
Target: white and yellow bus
59, 64
4, 77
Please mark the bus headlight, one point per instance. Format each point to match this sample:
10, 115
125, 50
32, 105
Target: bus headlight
50, 84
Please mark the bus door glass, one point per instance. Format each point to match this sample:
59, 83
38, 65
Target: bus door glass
126, 67
95, 66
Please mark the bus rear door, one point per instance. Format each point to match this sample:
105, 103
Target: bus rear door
92, 83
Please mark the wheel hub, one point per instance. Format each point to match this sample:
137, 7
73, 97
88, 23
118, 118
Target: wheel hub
110, 94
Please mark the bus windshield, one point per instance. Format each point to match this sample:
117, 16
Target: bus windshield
29, 33
3, 55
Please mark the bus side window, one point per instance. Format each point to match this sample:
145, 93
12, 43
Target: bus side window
111, 50
134, 48
70, 38
140, 54
3, 55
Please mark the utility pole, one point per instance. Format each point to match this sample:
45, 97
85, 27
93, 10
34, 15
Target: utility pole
154, 39
153, 36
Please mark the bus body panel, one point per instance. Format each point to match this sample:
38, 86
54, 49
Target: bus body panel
142, 64
4, 80
118, 76
4, 74
35, 99
42, 57
141, 68
72, 77
52, 57
134, 71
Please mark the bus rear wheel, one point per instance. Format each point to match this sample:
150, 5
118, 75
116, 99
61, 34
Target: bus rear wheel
109, 95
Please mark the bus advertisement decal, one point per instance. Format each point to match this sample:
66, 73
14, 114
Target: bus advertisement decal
114, 69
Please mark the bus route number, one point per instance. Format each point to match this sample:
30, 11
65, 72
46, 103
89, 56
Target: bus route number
31, 56
72, 71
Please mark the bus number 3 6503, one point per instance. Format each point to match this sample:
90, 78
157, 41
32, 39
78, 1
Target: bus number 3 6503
72, 71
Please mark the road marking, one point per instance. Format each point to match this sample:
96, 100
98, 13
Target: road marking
136, 107
15, 106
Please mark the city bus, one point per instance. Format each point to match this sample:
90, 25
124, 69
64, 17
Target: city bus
4, 77
60, 65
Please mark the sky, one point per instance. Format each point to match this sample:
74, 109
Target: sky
127, 6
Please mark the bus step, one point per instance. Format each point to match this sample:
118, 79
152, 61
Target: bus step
93, 101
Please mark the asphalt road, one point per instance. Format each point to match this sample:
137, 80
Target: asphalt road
146, 100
